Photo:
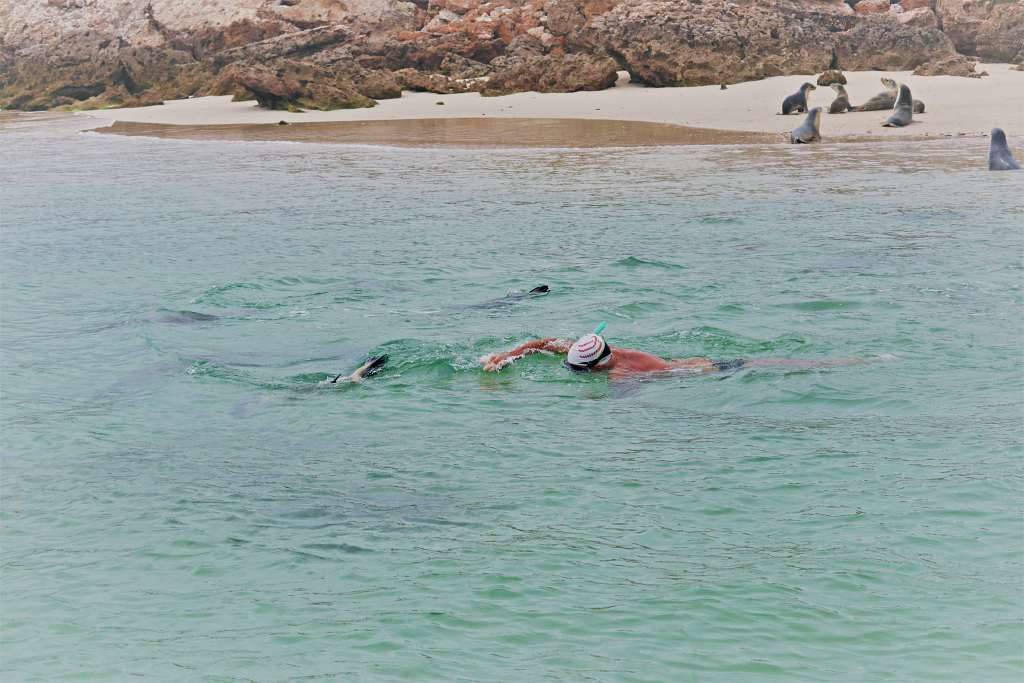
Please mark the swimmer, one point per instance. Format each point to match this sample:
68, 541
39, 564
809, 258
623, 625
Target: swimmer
591, 353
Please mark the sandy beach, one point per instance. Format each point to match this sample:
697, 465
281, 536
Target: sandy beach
955, 106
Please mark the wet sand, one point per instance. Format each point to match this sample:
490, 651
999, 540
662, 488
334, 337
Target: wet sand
459, 132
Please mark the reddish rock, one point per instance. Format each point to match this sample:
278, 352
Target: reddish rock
553, 73
832, 76
871, 7
882, 43
292, 85
411, 79
957, 65
985, 28
916, 4
922, 17
709, 42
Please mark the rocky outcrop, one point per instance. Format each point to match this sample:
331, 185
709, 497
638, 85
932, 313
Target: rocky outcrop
293, 86
881, 42
327, 53
922, 17
550, 73
957, 65
989, 29
673, 42
832, 76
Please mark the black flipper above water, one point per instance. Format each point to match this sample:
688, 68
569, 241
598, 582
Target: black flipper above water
542, 289
372, 366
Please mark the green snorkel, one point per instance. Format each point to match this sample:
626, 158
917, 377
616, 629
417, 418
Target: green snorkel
600, 327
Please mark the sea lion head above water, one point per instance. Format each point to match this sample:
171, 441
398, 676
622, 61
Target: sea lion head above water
1000, 158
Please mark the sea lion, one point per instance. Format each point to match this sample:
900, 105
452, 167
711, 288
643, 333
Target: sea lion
797, 102
883, 100
842, 101
999, 156
511, 298
185, 317
810, 130
918, 107
903, 112
372, 366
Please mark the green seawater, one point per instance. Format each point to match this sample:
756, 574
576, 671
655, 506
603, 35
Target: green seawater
183, 500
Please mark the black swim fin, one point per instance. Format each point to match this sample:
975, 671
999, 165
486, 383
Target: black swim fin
543, 289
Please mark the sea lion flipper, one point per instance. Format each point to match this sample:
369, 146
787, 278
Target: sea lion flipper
374, 365
542, 289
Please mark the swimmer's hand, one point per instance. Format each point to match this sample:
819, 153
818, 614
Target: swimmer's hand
496, 361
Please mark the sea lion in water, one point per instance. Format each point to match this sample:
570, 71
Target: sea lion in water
809, 130
903, 112
186, 317
512, 297
883, 100
797, 102
372, 366
842, 101
999, 156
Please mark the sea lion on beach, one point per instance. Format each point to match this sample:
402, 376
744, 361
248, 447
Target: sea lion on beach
810, 130
797, 102
903, 112
999, 156
883, 100
842, 101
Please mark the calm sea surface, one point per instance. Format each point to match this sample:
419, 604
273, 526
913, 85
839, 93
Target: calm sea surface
182, 499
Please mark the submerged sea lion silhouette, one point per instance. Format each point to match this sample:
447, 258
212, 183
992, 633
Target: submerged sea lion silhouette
186, 317
512, 297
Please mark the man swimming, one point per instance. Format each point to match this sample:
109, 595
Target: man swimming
591, 353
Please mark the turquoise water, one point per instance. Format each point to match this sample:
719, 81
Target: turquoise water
181, 499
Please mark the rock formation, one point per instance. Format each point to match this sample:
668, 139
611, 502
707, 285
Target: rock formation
348, 53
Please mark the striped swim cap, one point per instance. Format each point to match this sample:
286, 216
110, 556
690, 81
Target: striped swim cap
587, 351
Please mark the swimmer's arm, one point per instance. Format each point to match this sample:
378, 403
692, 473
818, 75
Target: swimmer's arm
496, 361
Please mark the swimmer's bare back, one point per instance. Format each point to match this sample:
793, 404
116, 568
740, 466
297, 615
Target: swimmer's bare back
631, 362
